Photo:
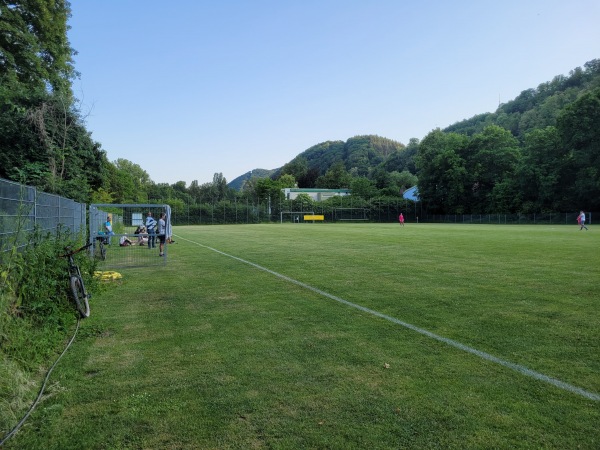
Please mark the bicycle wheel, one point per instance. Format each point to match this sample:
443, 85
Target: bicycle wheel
102, 252
80, 296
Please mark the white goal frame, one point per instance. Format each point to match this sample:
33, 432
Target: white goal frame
125, 219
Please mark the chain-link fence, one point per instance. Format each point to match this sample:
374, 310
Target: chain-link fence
347, 209
24, 208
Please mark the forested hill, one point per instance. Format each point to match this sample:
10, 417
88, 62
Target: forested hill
259, 173
360, 156
536, 108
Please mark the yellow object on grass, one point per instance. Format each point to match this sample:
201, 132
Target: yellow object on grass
107, 275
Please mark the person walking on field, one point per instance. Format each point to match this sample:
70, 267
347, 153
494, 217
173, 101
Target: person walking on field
151, 230
581, 221
401, 219
162, 234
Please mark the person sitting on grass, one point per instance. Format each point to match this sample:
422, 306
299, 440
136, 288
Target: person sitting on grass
125, 241
140, 232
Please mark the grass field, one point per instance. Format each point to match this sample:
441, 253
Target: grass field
352, 336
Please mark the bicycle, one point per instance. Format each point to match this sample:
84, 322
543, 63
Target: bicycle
101, 253
80, 295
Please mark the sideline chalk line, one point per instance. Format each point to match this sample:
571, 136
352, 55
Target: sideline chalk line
484, 355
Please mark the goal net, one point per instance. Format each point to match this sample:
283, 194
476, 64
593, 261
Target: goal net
350, 214
126, 241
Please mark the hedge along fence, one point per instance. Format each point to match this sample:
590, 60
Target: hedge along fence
24, 208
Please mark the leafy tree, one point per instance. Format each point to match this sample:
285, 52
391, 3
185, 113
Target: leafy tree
363, 187
297, 167
309, 180
442, 172
403, 159
303, 202
139, 178
267, 188
402, 180
34, 47
102, 196
287, 181
43, 140
579, 127
219, 186
44, 143
160, 193
538, 174
336, 177
121, 186
494, 155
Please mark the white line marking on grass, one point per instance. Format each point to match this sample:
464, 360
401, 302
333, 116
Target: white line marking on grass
487, 356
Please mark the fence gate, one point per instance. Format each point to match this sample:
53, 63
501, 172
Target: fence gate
126, 241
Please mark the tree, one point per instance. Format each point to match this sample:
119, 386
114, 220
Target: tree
494, 154
297, 167
121, 186
34, 47
363, 187
442, 172
404, 159
579, 127
335, 178
219, 186
539, 171
43, 140
287, 181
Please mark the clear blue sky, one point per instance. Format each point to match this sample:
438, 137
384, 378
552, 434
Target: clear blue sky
192, 87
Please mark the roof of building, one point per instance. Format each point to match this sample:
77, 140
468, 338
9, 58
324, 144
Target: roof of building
411, 194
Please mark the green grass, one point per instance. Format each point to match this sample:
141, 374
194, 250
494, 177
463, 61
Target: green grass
212, 353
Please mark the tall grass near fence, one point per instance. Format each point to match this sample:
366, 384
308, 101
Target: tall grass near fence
278, 336
36, 316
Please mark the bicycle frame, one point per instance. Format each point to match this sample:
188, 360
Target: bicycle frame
80, 295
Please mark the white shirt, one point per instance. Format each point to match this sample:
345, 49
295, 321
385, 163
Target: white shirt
150, 223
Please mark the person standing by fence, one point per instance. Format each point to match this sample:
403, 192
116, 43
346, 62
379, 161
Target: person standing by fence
108, 229
401, 219
151, 229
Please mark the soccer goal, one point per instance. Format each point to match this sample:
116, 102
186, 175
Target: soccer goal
120, 237
351, 214
294, 216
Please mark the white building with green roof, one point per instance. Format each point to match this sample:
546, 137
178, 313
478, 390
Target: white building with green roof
315, 194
